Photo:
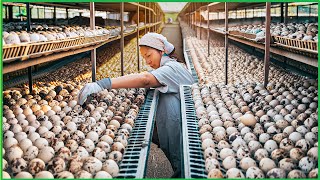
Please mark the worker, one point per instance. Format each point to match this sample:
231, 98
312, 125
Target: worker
167, 76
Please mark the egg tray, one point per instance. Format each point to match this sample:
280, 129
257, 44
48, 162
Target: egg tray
15, 81
13, 52
295, 45
189, 63
251, 155
224, 171
193, 161
135, 158
26, 51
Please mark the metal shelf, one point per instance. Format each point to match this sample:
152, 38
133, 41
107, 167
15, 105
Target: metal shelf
193, 161
18, 65
135, 157
273, 49
188, 59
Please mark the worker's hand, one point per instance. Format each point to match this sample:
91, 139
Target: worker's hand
87, 90
94, 87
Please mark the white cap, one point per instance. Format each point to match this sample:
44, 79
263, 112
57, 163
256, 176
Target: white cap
156, 41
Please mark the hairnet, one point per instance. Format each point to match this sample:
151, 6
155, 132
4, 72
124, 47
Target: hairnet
157, 41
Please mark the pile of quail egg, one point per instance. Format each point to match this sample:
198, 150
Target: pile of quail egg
280, 142
246, 130
52, 34
48, 135
299, 31
242, 66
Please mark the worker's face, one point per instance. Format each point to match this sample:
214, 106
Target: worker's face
152, 56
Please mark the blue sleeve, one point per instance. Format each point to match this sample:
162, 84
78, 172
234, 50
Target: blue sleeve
166, 76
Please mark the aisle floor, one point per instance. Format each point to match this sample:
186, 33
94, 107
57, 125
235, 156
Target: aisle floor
173, 33
158, 165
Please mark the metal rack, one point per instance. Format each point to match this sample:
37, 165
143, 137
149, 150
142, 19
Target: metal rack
37, 53
193, 161
135, 157
188, 59
304, 52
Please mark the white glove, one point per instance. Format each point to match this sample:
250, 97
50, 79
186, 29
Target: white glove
88, 89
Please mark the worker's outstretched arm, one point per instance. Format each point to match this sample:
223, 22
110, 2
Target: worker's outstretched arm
142, 80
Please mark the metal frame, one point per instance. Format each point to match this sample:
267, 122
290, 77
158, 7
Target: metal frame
190, 10
135, 157
186, 57
189, 62
17, 65
193, 161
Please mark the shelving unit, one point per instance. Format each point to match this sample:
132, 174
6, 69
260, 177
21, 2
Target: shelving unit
192, 14
17, 57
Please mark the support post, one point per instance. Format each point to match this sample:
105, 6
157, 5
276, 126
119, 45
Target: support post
226, 42
309, 10
54, 15
29, 29
38, 13
10, 11
253, 12
138, 31
44, 13
154, 18
208, 30
267, 44
282, 13
200, 22
245, 13
67, 14
145, 18
122, 37
297, 15
286, 13
93, 51
194, 18
150, 18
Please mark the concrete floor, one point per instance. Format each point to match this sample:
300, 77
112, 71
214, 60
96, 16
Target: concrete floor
173, 33
158, 165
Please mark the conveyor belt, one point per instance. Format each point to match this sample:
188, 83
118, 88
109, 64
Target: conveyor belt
135, 157
193, 161
189, 63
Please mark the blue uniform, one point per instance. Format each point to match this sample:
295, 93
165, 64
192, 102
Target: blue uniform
171, 74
